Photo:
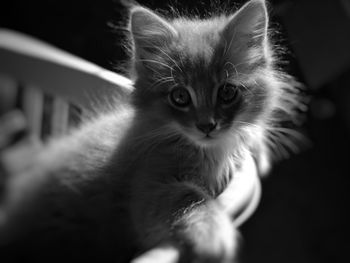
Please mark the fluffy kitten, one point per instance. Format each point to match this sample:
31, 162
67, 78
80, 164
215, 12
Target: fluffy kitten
207, 93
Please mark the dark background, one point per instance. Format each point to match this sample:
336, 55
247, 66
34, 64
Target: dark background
303, 215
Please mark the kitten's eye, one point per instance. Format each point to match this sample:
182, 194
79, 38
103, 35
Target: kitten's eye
228, 93
180, 97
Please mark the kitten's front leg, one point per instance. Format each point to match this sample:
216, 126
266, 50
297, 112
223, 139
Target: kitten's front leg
209, 234
183, 216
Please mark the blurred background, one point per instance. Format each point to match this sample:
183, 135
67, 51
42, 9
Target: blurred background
303, 215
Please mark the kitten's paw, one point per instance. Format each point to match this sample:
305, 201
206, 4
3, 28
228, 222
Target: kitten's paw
164, 254
220, 249
210, 237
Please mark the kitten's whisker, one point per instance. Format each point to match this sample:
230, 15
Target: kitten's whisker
227, 74
156, 62
248, 124
242, 63
166, 79
181, 61
258, 35
247, 89
233, 66
162, 81
230, 44
167, 55
237, 74
158, 74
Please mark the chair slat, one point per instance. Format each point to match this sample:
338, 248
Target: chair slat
33, 102
8, 93
60, 115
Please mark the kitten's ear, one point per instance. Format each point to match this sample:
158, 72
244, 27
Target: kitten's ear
247, 30
149, 31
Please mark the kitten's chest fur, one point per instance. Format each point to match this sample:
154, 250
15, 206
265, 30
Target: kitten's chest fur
174, 160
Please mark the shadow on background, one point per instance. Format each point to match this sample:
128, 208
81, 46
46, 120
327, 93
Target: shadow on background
303, 214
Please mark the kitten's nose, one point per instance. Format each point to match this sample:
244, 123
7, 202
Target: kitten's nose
206, 126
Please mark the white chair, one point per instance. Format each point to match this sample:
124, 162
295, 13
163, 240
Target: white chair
43, 69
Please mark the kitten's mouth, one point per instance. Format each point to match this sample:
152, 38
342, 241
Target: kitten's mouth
201, 138
207, 140
208, 137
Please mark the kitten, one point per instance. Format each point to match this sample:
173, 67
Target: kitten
207, 94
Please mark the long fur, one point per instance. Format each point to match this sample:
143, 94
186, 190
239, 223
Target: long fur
143, 174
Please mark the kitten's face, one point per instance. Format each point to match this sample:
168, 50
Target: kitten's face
195, 77
201, 103
204, 112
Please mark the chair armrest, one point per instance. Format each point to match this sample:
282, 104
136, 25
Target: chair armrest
242, 196
57, 72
